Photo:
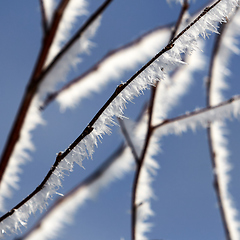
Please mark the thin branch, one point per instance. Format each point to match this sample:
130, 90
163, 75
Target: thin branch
51, 97
203, 13
30, 91
140, 164
212, 60
209, 132
77, 35
197, 112
59, 158
184, 8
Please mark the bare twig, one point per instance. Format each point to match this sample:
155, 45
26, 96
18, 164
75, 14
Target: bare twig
184, 8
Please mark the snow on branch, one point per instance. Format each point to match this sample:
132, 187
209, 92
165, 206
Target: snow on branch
166, 60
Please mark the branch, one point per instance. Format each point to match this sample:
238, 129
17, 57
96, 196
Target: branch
140, 162
184, 8
96, 180
77, 35
217, 146
210, 137
30, 91
202, 116
118, 164
139, 166
99, 68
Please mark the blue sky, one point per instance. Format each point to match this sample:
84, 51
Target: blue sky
185, 204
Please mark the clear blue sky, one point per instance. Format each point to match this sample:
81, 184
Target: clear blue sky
186, 206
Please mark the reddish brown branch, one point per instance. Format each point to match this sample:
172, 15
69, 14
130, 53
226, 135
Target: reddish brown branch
30, 91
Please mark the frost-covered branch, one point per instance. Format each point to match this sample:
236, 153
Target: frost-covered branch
224, 46
165, 61
110, 67
118, 164
210, 130
136, 181
19, 140
30, 92
140, 204
202, 117
114, 168
67, 47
